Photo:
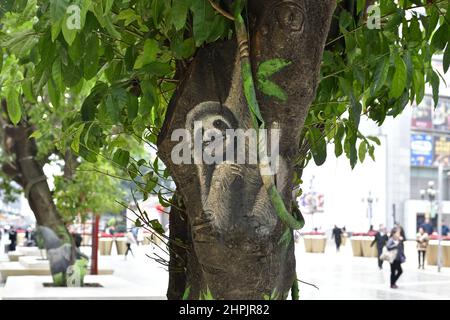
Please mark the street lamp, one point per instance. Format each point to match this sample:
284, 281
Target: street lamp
312, 205
430, 193
370, 200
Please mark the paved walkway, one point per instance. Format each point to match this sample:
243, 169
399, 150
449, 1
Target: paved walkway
338, 275
342, 276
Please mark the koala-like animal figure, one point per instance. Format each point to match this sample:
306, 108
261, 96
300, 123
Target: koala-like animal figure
232, 194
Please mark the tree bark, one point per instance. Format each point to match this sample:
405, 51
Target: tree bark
235, 232
27, 171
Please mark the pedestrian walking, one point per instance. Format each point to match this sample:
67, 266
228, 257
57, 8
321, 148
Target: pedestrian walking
380, 240
130, 240
422, 245
396, 249
337, 234
12, 239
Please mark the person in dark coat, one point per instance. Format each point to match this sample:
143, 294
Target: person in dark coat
395, 242
402, 231
337, 234
12, 239
380, 240
427, 226
78, 239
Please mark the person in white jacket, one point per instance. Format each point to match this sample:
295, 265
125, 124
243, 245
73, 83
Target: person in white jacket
130, 240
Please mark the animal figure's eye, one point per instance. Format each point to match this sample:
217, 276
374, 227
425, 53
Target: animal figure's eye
219, 124
290, 17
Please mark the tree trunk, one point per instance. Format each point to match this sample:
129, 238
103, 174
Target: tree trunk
235, 231
27, 171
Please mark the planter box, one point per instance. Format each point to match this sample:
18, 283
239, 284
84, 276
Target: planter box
357, 247
23, 251
105, 246
432, 253
315, 243
34, 262
344, 240
361, 247
113, 288
14, 256
121, 245
367, 250
21, 239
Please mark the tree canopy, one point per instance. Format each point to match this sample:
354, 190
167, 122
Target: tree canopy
109, 69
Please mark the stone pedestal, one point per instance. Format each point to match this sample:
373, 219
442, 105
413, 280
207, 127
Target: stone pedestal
34, 266
112, 288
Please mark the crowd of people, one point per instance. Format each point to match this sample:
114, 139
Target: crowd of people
390, 246
12, 233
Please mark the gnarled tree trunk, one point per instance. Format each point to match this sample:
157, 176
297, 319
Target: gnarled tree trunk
234, 249
26, 170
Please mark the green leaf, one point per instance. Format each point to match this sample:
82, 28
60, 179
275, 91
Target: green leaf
360, 5
362, 151
13, 105
203, 17
55, 30
270, 67
338, 140
36, 134
399, 80
58, 9
265, 71
107, 5
116, 100
380, 76
57, 75
89, 107
271, 89
53, 93
318, 146
156, 225
440, 37
149, 54
121, 157
434, 81
91, 58
75, 145
151, 182
186, 293
179, 13
132, 107
372, 152
374, 139
138, 223
68, 33
1, 59
419, 85
446, 59
111, 28
71, 74
27, 88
